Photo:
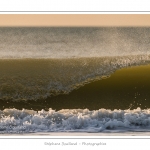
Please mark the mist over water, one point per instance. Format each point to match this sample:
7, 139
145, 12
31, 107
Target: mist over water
71, 42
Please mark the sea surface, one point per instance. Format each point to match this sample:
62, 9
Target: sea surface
74, 79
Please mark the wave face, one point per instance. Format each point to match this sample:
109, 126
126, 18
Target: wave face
32, 79
73, 42
79, 120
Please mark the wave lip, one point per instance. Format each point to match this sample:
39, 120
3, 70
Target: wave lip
75, 120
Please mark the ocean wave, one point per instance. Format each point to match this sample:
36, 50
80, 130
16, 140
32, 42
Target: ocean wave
73, 120
32, 79
37, 63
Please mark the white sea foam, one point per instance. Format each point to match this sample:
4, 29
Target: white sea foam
74, 120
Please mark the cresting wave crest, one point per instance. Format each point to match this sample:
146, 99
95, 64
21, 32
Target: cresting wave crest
36, 63
74, 120
32, 79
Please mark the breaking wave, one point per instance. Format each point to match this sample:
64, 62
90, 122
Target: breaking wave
32, 79
68, 42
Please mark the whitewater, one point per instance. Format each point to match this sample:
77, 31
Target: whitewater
75, 120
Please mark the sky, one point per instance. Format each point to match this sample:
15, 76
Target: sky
74, 20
